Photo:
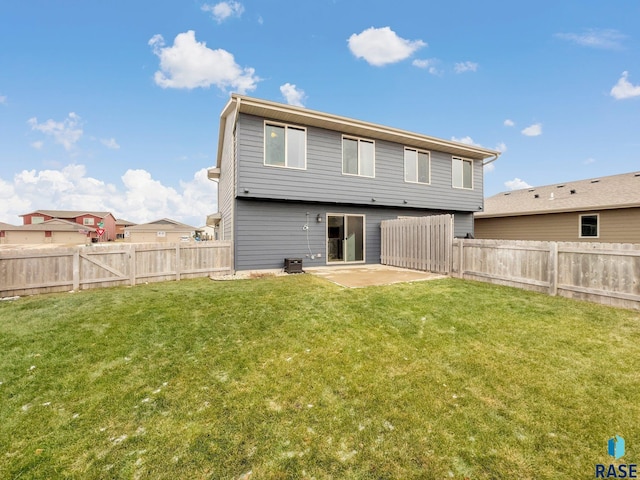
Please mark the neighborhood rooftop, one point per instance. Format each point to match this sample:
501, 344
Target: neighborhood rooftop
615, 191
68, 213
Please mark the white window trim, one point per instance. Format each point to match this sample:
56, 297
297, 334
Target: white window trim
472, 173
88, 221
417, 150
359, 139
286, 145
597, 215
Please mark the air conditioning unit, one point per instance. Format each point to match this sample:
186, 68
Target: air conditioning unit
293, 265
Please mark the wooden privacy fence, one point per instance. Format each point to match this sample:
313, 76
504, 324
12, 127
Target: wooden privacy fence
58, 269
607, 273
420, 243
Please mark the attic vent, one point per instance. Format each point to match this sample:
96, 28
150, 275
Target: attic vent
572, 191
559, 186
532, 190
595, 181
535, 195
508, 193
636, 174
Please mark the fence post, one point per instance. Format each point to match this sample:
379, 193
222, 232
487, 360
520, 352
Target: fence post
132, 256
178, 262
460, 258
76, 270
553, 268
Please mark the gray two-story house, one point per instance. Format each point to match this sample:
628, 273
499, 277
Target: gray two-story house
298, 183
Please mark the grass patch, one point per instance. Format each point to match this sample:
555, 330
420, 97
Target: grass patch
294, 377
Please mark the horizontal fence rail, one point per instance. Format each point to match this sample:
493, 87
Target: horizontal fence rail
32, 271
606, 273
419, 243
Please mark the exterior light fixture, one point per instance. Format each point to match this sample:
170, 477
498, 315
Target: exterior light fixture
319, 218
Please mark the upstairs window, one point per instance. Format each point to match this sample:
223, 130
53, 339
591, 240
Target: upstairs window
285, 146
417, 166
358, 157
589, 226
35, 220
462, 173
88, 221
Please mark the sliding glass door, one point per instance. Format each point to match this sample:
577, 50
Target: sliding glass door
345, 238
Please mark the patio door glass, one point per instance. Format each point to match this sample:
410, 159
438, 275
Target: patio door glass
345, 238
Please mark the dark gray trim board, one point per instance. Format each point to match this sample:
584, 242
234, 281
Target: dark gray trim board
268, 231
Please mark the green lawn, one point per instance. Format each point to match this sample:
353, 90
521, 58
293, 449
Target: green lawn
294, 377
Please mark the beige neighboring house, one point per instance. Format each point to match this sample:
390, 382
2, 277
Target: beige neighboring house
604, 209
121, 224
159, 231
53, 231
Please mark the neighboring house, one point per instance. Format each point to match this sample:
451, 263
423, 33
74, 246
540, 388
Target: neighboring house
298, 183
163, 230
121, 224
605, 209
50, 231
89, 219
207, 233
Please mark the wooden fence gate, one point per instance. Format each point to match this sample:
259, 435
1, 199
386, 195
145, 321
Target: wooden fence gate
419, 243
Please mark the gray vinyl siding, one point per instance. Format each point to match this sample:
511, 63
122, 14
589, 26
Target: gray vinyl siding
463, 224
267, 232
323, 181
226, 184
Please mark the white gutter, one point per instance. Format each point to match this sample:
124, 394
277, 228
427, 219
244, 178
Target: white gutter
491, 160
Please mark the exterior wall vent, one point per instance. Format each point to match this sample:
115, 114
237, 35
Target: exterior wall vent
536, 196
572, 192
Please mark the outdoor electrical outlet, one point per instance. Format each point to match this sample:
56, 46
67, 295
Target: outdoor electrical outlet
319, 255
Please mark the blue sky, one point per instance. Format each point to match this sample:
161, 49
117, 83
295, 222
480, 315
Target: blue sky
114, 105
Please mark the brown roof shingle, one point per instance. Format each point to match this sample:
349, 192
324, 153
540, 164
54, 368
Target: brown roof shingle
603, 193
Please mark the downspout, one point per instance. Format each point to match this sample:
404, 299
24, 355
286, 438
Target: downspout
492, 160
234, 146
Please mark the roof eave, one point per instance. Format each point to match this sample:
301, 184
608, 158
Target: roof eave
556, 210
304, 116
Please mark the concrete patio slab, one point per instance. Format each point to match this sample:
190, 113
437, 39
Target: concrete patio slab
370, 275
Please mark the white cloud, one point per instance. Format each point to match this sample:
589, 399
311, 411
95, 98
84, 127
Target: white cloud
110, 143
381, 46
532, 130
624, 89
3, 99
293, 95
509, 123
190, 64
596, 38
37, 144
223, 10
428, 64
589, 161
465, 67
501, 147
466, 140
489, 167
67, 132
516, 184
141, 200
